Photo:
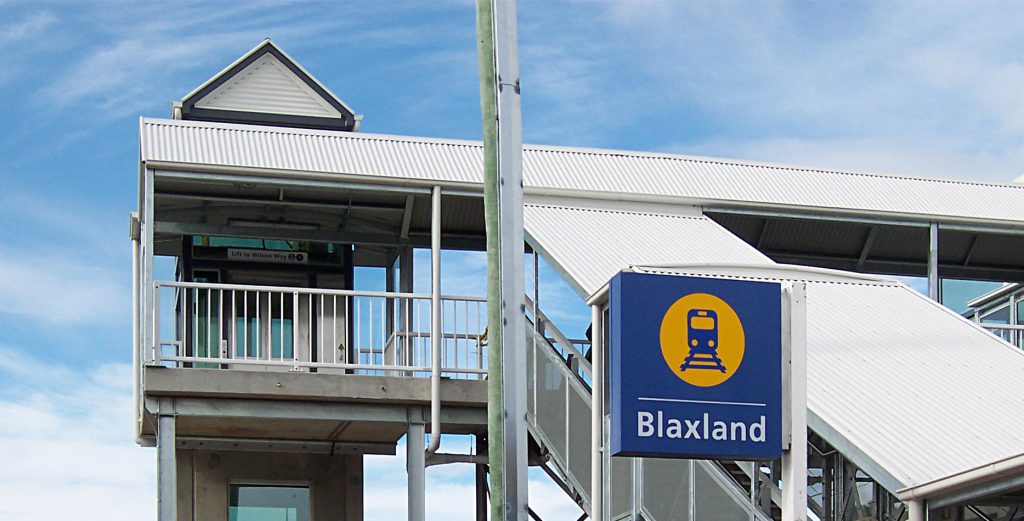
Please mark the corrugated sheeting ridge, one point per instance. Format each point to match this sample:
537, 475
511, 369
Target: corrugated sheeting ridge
593, 244
921, 391
567, 169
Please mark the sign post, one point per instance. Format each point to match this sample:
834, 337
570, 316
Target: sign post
710, 368
794, 458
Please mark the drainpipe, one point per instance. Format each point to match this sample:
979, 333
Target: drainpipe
435, 321
134, 233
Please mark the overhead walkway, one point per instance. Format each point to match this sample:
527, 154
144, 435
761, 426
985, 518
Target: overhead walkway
916, 397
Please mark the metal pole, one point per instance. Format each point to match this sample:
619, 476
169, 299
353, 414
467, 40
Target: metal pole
503, 194
416, 467
794, 460
934, 292
435, 321
167, 503
510, 213
596, 412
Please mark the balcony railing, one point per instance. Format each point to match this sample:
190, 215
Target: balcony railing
1011, 333
206, 325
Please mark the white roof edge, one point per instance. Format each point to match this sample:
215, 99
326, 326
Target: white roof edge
268, 42
612, 205
982, 299
600, 151
780, 272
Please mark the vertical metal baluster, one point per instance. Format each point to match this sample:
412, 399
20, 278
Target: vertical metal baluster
245, 325
369, 304
233, 345
356, 323
309, 326
209, 318
258, 318
320, 336
220, 320
280, 326
334, 328
348, 320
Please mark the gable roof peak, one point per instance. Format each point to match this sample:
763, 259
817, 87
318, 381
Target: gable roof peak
267, 86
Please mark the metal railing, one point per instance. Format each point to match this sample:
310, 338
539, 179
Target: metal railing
229, 326
1014, 334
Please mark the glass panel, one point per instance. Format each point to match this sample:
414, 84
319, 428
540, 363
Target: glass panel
622, 486
957, 293
999, 316
713, 502
268, 503
531, 381
667, 488
551, 397
579, 433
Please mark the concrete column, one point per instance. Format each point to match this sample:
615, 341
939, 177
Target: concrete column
416, 467
166, 469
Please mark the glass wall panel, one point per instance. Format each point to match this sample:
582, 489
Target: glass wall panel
713, 502
622, 486
666, 488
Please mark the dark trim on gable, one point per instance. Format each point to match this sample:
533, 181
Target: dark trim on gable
278, 120
190, 111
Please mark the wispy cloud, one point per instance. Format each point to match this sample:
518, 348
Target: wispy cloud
54, 289
67, 430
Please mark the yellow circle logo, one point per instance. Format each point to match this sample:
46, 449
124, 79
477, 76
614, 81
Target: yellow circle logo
702, 340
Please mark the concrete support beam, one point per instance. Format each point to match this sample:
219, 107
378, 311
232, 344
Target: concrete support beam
166, 468
416, 468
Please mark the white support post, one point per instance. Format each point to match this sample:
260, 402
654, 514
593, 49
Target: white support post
934, 291
794, 459
596, 413
167, 498
916, 510
416, 467
510, 215
147, 292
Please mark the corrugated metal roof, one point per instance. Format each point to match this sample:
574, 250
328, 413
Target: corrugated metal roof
594, 242
912, 390
912, 386
567, 170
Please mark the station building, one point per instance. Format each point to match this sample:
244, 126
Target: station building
263, 376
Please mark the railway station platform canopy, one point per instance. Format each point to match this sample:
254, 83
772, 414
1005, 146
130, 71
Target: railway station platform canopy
919, 398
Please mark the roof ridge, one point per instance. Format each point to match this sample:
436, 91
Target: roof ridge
562, 149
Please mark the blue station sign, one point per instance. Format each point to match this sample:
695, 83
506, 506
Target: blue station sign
695, 367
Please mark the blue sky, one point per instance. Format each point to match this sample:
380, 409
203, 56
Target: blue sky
911, 88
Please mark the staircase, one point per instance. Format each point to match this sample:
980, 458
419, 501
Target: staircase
559, 415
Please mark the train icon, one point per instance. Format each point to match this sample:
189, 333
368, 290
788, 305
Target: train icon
702, 341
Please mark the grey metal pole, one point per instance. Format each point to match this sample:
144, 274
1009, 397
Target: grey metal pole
416, 468
510, 214
794, 460
596, 412
167, 498
934, 291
